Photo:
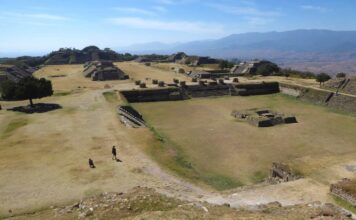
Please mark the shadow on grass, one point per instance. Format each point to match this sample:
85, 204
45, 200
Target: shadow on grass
36, 108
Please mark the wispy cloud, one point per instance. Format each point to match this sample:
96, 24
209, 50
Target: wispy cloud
179, 26
243, 10
39, 16
249, 12
313, 8
133, 10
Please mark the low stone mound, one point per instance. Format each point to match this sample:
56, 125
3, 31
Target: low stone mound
36, 108
282, 173
263, 117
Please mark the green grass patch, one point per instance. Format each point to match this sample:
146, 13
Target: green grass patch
170, 155
14, 125
63, 93
344, 204
221, 182
69, 110
111, 97
258, 177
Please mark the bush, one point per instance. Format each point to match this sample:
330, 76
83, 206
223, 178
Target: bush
341, 75
267, 68
322, 77
27, 88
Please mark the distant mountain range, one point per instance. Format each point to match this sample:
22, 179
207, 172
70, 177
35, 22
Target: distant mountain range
312, 50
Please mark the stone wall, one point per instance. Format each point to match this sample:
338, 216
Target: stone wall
153, 95
201, 90
339, 191
263, 88
330, 99
194, 91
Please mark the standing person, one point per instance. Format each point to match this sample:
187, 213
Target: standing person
113, 151
91, 163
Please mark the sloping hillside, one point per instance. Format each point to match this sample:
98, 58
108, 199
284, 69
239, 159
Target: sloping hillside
310, 50
145, 203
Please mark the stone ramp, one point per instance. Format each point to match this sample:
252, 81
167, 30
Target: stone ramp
130, 117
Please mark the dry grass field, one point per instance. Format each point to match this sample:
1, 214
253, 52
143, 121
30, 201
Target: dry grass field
43, 157
224, 152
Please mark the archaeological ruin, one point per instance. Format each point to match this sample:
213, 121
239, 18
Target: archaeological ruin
182, 90
282, 173
130, 117
103, 70
263, 117
345, 189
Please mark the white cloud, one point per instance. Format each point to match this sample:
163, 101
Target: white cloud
179, 26
313, 8
250, 13
136, 11
39, 16
237, 10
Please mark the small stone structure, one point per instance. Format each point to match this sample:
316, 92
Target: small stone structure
247, 68
103, 70
345, 189
263, 117
282, 173
130, 117
199, 74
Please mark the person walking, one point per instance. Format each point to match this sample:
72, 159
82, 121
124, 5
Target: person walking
91, 163
113, 151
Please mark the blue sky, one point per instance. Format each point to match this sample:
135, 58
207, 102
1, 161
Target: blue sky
39, 26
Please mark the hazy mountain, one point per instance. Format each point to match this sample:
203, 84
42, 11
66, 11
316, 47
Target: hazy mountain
315, 50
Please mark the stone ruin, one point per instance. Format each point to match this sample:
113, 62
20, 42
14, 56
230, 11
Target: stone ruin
130, 117
282, 173
263, 117
103, 70
345, 189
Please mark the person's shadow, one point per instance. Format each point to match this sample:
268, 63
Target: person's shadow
118, 160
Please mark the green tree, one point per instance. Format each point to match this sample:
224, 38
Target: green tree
27, 88
341, 75
225, 64
267, 68
322, 77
